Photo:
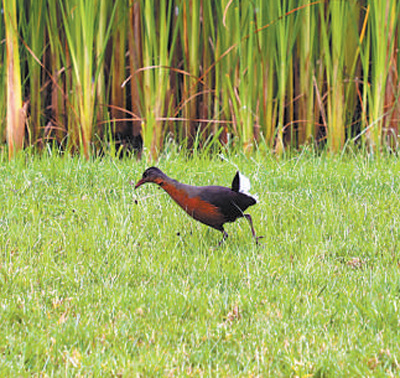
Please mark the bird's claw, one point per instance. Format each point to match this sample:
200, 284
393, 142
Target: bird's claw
258, 238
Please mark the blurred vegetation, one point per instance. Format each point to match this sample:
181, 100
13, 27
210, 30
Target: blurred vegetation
81, 74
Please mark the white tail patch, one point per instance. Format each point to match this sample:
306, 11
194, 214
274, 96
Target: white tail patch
244, 186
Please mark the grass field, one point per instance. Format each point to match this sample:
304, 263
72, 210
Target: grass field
93, 284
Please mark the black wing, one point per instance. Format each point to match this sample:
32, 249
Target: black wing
232, 204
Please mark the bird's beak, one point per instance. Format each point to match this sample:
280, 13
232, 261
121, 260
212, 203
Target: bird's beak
140, 182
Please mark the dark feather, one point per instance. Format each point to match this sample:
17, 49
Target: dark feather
236, 182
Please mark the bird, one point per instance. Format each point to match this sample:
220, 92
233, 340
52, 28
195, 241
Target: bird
211, 205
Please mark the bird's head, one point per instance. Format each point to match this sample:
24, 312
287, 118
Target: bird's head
152, 174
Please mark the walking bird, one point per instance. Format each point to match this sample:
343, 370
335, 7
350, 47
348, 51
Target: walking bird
211, 205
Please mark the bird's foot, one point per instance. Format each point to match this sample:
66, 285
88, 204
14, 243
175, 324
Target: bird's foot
225, 235
257, 238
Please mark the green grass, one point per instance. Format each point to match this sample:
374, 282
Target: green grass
93, 284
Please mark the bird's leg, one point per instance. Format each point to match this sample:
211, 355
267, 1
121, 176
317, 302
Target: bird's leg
248, 217
225, 235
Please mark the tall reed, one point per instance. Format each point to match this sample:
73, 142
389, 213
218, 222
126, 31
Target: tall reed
32, 22
118, 60
306, 53
135, 59
16, 114
57, 121
383, 45
158, 46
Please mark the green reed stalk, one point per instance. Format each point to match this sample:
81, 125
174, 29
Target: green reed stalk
190, 43
266, 74
229, 34
217, 80
157, 53
248, 87
363, 85
79, 24
149, 43
57, 127
392, 93
286, 34
207, 99
237, 87
352, 65
135, 60
225, 37
306, 52
33, 33
100, 41
382, 33
118, 93
15, 113
334, 42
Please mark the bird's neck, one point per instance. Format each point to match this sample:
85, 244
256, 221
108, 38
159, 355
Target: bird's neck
174, 188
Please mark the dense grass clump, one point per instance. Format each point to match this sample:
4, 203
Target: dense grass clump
92, 283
